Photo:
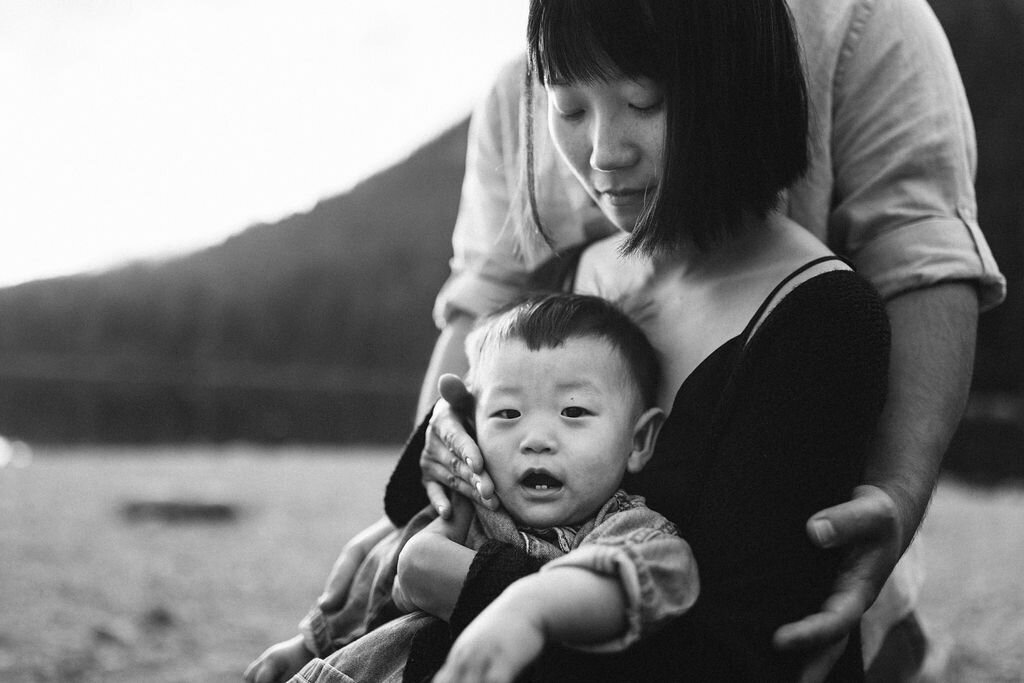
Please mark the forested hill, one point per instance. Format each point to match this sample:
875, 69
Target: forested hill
318, 327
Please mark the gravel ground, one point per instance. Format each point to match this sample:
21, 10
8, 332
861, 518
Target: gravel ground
99, 584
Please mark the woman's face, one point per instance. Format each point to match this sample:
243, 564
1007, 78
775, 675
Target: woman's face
612, 135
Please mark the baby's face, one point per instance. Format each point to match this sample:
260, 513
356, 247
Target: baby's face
555, 427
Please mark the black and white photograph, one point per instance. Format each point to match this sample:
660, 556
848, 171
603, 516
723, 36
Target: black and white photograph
511, 341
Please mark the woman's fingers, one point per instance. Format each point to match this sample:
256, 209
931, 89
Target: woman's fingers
438, 497
444, 471
462, 518
454, 391
450, 456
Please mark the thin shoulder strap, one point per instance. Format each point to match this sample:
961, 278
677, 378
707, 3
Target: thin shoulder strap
780, 290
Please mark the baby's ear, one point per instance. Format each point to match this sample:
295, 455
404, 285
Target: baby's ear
645, 433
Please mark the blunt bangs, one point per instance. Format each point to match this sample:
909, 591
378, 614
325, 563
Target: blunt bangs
737, 119
583, 41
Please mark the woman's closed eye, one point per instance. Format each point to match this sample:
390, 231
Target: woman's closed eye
570, 115
575, 411
647, 108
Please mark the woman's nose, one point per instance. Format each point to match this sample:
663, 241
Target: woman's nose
612, 148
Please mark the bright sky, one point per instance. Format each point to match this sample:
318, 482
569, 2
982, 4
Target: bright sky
140, 128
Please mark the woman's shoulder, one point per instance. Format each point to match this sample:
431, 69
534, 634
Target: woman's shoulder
604, 271
837, 306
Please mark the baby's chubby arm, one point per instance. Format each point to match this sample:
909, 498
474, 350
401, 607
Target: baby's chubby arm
433, 565
567, 604
632, 575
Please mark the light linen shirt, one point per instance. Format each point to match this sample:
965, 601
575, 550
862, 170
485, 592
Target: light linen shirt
890, 183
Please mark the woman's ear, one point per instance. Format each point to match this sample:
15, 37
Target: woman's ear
645, 433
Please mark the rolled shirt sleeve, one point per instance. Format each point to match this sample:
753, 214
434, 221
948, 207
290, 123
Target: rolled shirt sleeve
495, 246
890, 183
653, 564
904, 156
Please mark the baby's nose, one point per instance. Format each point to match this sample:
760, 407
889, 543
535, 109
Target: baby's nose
539, 440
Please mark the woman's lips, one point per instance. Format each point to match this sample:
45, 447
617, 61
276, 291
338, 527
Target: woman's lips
625, 197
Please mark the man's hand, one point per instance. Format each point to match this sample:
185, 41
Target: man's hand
450, 456
278, 662
344, 570
868, 530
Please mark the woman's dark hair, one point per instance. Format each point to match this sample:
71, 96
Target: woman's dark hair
735, 96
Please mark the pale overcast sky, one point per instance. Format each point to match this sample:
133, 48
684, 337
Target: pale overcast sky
139, 128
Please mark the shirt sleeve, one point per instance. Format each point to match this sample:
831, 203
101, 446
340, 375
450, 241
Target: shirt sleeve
655, 568
495, 245
908, 219
487, 267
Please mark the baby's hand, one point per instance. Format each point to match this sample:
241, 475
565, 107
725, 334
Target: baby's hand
278, 662
494, 648
456, 527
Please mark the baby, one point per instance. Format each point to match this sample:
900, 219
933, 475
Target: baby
565, 389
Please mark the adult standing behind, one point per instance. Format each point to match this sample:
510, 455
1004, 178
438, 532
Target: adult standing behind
684, 122
889, 185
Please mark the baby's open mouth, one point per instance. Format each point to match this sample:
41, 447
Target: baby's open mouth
542, 481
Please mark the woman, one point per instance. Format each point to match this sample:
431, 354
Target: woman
684, 122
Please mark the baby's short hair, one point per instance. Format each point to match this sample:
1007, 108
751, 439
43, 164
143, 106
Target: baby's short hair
547, 321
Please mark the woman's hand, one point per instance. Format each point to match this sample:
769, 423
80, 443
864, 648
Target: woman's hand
433, 565
868, 530
344, 570
450, 457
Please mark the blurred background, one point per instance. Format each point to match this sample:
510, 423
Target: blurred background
148, 130
223, 226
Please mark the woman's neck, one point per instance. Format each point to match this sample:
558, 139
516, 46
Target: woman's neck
754, 244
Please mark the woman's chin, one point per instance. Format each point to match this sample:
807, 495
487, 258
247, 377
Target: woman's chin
623, 219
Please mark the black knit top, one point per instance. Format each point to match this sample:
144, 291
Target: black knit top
763, 433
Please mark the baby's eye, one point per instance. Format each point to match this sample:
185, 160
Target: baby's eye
506, 414
575, 411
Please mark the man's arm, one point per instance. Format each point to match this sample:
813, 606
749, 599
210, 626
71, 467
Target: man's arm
933, 339
934, 333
